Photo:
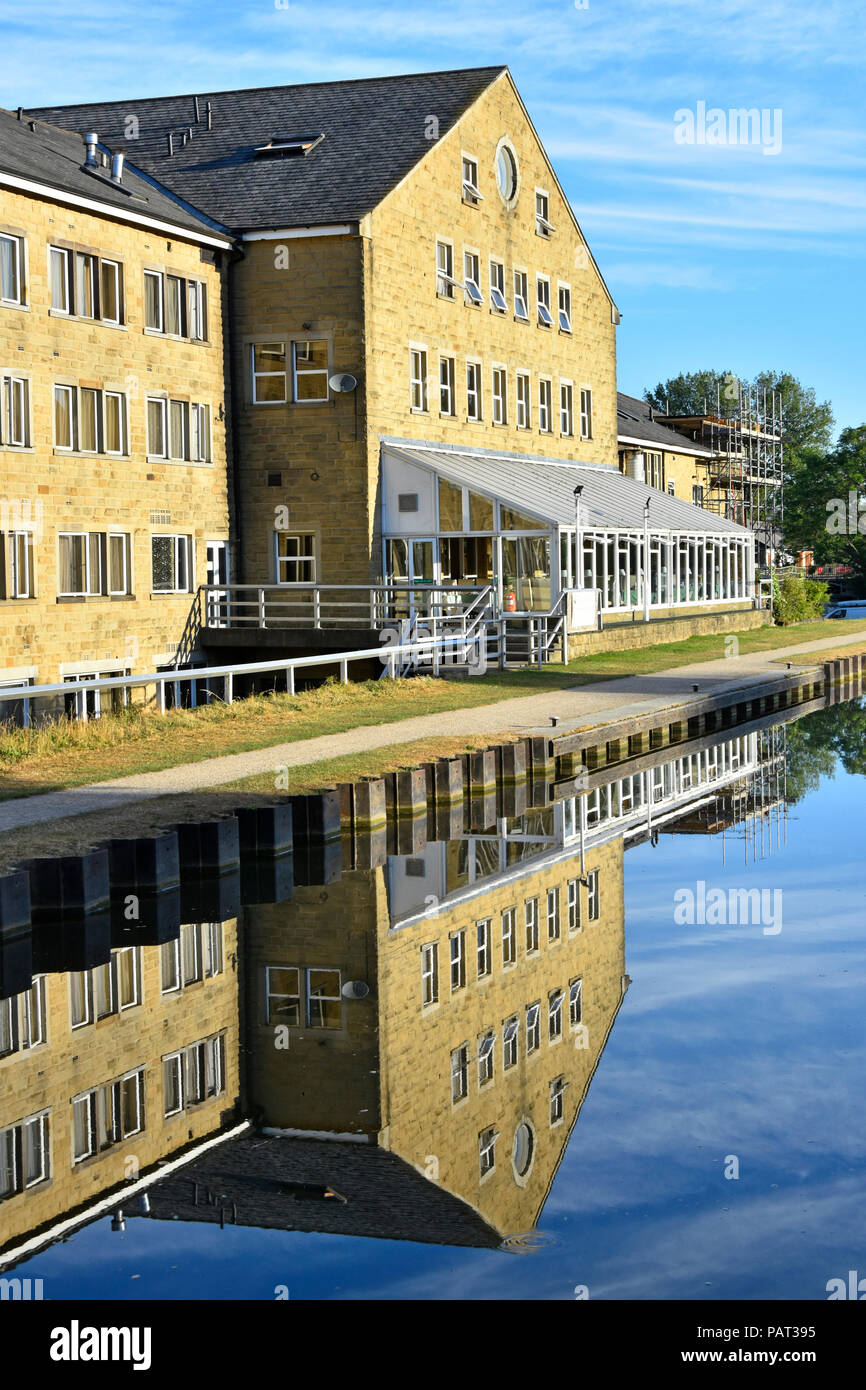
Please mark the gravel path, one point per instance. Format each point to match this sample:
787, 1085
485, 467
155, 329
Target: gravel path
578, 708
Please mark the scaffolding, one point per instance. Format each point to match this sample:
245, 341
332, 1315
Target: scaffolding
743, 480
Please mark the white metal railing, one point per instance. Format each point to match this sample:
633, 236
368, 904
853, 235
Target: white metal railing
391, 657
331, 605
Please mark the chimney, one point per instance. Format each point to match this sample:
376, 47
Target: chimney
197, 111
91, 160
209, 111
117, 168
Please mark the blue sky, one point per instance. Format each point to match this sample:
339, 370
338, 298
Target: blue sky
717, 254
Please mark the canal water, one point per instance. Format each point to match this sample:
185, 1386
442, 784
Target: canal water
609, 1048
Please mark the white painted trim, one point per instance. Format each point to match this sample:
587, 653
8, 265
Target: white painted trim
59, 195
656, 446
290, 233
118, 1198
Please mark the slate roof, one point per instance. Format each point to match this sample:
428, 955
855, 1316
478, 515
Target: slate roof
633, 420
55, 157
545, 488
275, 1182
375, 131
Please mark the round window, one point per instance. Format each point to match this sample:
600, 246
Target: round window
506, 173
524, 1146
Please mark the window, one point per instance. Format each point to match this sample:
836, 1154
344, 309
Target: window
460, 1073
672, 491
533, 1028
575, 1002
283, 995
500, 396
64, 417
473, 390
157, 427
482, 948
107, 1115
506, 172
16, 565
697, 495
530, 917
543, 301
554, 1015
418, 378
110, 280
175, 305
486, 1051
655, 470
24, 1155
105, 989
458, 960
471, 194
15, 413
565, 308
269, 373
497, 287
510, 1039
22, 1019
296, 558
80, 563
11, 269
557, 1091
445, 281
310, 371
85, 285
471, 278
586, 413
199, 434
566, 408
553, 914
542, 210
521, 295
574, 922
523, 406
172, 564
509, 937
545, 406
429, 974
89, 421
593, 896
194, 955
487, 1151
446, 386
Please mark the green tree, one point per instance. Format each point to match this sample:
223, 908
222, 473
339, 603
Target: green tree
808, 422
822, 502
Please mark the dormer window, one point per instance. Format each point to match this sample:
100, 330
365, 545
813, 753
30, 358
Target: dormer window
543, 225
471, 193
289, 145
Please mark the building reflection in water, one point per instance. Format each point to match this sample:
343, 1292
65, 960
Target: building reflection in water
409, 1045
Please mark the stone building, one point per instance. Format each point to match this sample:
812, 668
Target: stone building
114, 494
417, 321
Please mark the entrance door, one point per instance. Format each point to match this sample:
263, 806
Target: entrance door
217, 572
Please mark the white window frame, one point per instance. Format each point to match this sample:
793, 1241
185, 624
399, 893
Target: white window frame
483, 957
162, 402
17, 301
418, 380
542, 301
457, 960
199, 433
545, 405
283, 562
543, 225
447, 382
563, 301
160, 279
510, 1042
126, 538
121, 398
469, 177
554, 1016
88, 591
486, 1058
586, 412
460, 1073
499, 382
187, 548
524, 400
557, 1099
70, 394
593, 896
19, 546
554, 925
508, 926
530, 924
566, 408
16, 390
533, 1027
575, 1002
498, 298
255, 375
474, 399
445, 281
472, 278
575, 920
429, 974
118, 291
487, 1151
521, 295
298, 372
196, 313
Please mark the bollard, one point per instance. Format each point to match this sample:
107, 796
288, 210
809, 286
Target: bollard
368, 803
513, 758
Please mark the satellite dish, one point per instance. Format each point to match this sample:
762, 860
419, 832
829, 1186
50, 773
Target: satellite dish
342, 382
355, 989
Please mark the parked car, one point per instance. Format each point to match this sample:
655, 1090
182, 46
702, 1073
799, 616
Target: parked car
847, 608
